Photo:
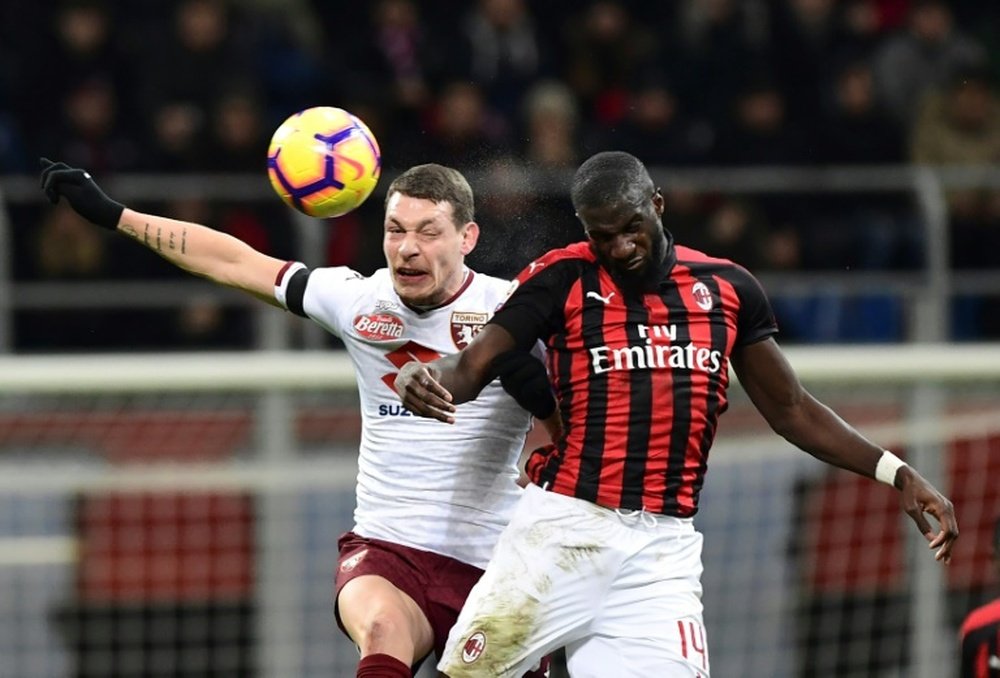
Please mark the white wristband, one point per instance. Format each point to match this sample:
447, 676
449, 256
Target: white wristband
888, 464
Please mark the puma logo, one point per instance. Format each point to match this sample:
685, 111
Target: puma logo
595, 295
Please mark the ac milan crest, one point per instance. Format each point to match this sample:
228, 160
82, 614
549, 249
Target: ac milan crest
465, 326
702, 296
474, 647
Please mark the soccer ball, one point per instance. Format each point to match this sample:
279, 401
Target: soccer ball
323, 161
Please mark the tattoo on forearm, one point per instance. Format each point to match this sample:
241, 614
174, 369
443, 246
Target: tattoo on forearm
184, 239
145, 235
130, 231
159, 232
170, 243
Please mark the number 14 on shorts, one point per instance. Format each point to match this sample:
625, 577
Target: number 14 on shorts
692, 642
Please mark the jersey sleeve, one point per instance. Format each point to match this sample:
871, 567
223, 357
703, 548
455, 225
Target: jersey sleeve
534, 308
756, 320
325, 295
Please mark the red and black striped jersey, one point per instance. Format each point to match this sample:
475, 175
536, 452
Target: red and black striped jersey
640, 377
980, 638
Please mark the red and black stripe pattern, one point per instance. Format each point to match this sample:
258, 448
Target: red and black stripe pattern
980, 636
640, 378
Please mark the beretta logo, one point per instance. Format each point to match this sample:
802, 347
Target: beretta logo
379, 326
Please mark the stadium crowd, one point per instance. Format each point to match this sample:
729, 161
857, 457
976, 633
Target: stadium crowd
494, 86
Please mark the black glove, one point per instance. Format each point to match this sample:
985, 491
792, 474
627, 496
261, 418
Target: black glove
524, 377
83, 195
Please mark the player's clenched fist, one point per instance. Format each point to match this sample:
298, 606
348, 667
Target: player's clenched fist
59, 180
421, 393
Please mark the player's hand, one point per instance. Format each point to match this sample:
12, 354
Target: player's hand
920, 497
418, 388
59, 180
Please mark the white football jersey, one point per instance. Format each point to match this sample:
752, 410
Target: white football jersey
446, 488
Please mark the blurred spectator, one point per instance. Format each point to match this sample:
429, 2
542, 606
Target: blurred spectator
177, 138
464, 132
961, 126
879, 230
92, 132
394, 65
551, 122
66, 248
203, 54
759, 132
81, 40
203, 322
500, 50
804, 37
783, 249
892, 13
861, 27
604, 48
238, 141
656, 129
713, 36
732, 229
854, 131
923, 56
684, 212
287, 45
69, 248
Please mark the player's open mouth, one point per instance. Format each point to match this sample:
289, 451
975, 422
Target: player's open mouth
409, 273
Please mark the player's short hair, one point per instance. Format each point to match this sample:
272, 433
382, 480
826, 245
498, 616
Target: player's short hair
611, 177
437, 183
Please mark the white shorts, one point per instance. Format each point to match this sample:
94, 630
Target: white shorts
620, 590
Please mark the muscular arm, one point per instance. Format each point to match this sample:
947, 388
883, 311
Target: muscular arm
802, 420
433, 389
796, 415
205, 252
197, 249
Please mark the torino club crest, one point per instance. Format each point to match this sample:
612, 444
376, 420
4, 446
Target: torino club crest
465, 326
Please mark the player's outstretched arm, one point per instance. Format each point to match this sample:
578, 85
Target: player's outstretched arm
433, 389
195, 248
797, 416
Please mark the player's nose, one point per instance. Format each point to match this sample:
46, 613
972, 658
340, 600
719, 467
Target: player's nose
409, 245
623, 247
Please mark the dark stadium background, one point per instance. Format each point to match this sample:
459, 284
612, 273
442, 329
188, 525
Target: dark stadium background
516, 94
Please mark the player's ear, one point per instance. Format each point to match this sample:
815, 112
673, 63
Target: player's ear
659, 202
470, 236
